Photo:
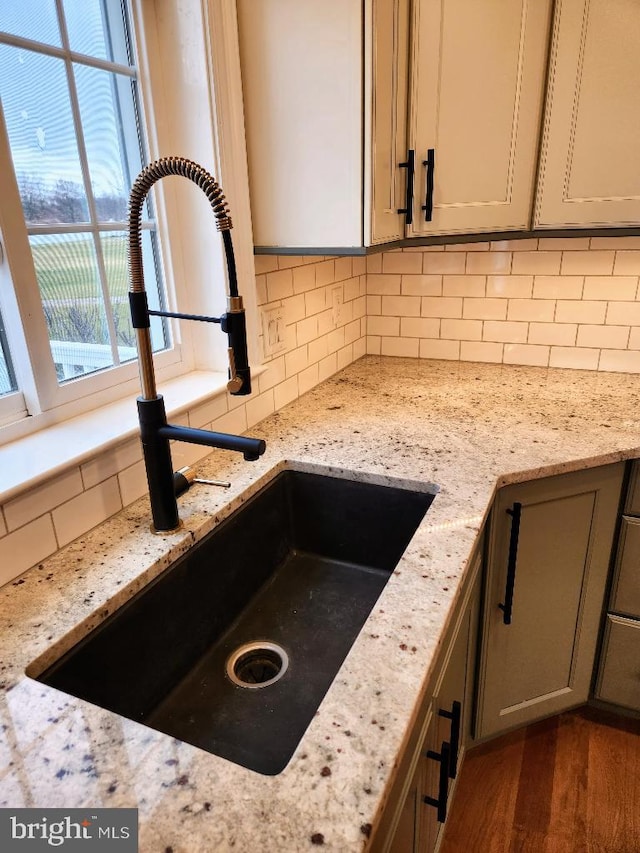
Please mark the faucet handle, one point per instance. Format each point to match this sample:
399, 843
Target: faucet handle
185, 477
235, 382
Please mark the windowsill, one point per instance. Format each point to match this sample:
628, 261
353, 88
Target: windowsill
29, 461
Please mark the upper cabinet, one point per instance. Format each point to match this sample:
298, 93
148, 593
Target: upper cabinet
477, 90
371, 121
588, 164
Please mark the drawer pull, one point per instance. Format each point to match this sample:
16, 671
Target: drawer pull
455, 715
430, 163
410, 166
443, 781
507, 607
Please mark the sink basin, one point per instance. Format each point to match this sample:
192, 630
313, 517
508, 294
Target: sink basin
233, 647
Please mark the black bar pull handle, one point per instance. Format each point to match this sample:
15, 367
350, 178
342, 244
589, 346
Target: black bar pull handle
507, 608
440, 803
410, 166
455, 715
430, 163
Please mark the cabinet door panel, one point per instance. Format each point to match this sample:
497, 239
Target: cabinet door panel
542, 662
625, 594
477, 87
592, 124
390, 64
619, 681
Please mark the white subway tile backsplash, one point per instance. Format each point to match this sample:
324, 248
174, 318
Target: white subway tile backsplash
373, 344
565, 244
383, 325
327, 367
504, 332
325, 273
623, 313
464, 285
587, 263
342, 269
279, 285
448, 263
553, 334
117, 458
308, 378
421, 285
304, 278
449, 350
603, 337
484, 309
542, 310
481, 351
623, 287
441, 306
536, 263
89, 509
285, 392
490, 263
529, 354
510, 286
419, 327
634, 338
401, 262
528, 244
461, 330
405, 347
296, 360
26, 547
23, 509
573, 311
565, 302
557, 287
627, 263
401, 306
577, 358
384, 285
621, 361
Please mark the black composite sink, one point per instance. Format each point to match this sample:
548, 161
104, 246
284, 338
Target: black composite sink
298, 567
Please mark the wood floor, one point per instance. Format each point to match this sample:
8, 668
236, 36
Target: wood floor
570, 784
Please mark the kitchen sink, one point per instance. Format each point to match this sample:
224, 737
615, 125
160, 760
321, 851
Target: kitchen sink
233, 647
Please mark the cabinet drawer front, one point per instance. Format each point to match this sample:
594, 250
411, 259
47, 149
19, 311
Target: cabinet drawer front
619, 681
633, 497
625, 594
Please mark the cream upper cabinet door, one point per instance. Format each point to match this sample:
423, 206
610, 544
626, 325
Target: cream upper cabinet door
538, 655
387, 53
477, 83
589, 173
302, 69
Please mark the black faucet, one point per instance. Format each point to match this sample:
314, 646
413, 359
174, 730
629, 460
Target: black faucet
155, 432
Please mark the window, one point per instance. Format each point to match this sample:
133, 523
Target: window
72, 79
71, 115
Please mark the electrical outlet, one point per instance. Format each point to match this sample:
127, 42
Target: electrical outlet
336, 306
273, 331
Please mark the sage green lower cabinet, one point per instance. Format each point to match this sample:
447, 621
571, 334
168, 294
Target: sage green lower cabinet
412, 821
538, 659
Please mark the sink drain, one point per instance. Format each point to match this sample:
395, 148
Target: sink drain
257, 664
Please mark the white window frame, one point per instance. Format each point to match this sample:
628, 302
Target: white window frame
212, 133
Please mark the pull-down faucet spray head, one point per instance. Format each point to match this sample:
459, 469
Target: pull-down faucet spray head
154, 429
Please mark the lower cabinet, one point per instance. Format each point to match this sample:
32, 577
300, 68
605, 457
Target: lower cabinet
619, 674
414, 819
549, 551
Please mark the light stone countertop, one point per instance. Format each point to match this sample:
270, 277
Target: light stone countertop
467, 428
